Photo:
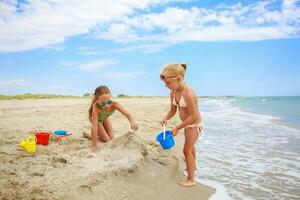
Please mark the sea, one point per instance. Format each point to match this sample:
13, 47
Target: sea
250, 147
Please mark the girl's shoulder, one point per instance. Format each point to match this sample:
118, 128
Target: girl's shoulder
95, 105
115, 104
188, 92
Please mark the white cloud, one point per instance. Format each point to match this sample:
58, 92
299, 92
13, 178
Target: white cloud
91, 50
39, 23
67, 63
56, 47
7, 8
22, 83
116, 31
96, 64
118, 74
14, 83
43, 23
21, 86
91, 65
145, 48
258, 21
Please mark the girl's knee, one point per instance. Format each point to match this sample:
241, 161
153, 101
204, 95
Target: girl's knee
187, 151
105, 139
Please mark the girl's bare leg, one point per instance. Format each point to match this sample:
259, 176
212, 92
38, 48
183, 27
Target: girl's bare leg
194, 155
108, 128
103, 136
86, 135
191, 136
199, 131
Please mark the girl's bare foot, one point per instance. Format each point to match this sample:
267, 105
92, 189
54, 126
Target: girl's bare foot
185, 172
85, 134
187, 183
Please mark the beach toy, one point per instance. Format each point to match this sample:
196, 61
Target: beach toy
165, 139
59, 134
29, 144
42, 138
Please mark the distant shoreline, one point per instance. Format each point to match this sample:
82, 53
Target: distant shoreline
54, 96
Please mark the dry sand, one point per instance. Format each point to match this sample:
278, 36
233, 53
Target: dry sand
132, 166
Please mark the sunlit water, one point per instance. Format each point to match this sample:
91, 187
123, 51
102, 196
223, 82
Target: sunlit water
247, 155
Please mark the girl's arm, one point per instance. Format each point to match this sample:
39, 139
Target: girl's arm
94, 128
122, 110
192, 110
172, 110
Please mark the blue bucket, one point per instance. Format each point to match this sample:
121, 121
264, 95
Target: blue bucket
166, 143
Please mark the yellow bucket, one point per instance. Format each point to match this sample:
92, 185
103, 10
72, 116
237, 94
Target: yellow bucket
29, 144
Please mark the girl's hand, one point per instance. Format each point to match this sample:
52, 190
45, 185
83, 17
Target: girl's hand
164, 121
174, 131
94, 148
134, 126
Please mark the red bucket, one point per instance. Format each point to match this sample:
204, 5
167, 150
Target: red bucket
42, 138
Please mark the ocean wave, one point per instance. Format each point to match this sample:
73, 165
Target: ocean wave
238, 146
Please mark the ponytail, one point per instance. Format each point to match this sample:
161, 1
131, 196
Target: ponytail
91, 107
184, 65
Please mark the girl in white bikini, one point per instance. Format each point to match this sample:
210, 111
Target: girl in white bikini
185, 99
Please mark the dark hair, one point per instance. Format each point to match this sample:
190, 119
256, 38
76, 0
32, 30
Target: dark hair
98, 92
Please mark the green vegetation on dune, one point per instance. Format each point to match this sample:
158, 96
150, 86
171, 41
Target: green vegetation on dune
53, 96
87, 95
37, 96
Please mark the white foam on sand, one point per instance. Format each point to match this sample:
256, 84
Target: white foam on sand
221, 191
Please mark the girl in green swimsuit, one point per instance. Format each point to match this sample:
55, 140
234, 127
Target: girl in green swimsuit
101, 108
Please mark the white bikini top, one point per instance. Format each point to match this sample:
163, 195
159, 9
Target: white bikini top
182, 102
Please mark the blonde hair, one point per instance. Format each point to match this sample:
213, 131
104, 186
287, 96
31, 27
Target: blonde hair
176, 69
98, 92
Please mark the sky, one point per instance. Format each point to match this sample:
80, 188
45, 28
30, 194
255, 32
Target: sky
232, 47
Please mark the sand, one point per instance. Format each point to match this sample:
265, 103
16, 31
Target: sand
132, 166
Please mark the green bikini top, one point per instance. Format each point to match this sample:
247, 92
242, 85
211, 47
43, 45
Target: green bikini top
104, 114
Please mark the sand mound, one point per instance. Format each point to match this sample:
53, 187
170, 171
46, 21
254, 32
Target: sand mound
70, 170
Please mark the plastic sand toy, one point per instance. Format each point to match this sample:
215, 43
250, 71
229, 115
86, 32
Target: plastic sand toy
165, 139
42, 138
29, 144
59, 134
